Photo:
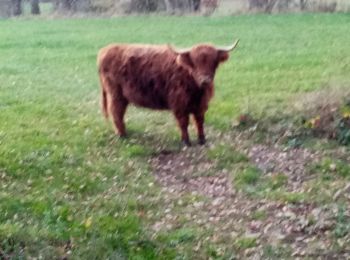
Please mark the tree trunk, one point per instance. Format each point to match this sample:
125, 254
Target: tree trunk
56, 5
168, 6
269, 6
196, 5
66, 5
16, 7
5, 8
303, 4
35, 9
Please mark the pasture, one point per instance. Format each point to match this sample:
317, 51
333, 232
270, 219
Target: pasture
71, 188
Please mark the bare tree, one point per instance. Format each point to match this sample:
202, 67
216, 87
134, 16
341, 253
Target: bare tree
35, 9
5, 8
262, 5
185, 5
16, 7
196, 5
208, 6
66, 5
303, 4
56, 4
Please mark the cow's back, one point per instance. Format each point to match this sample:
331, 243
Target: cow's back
142, 73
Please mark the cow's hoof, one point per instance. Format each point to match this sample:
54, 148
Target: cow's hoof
122, 136
201, 141
186, 143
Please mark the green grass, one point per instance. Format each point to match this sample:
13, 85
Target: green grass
249, 176
276, 252
226, 156
66, 179
330, 169
259, 215
342, 227
245, 242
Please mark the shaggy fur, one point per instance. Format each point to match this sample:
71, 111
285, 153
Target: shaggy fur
157, 77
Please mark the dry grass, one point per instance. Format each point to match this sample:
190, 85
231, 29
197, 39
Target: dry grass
329, 98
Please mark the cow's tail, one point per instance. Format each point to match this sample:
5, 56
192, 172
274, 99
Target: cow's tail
104, 101
103, 83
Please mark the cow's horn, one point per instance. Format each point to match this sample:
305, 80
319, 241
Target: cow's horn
229, 48
178, 51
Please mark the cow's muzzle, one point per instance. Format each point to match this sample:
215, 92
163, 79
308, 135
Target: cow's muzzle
205, 81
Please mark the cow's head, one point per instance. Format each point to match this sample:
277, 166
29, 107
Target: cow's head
202, 61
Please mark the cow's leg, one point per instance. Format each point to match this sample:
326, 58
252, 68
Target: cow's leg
183, 120
117, 108
199, 119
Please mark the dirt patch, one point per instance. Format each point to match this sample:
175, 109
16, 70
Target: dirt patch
293, 163
190, 171
299, 229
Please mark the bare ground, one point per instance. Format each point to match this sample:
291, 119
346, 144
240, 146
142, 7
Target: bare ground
295, 229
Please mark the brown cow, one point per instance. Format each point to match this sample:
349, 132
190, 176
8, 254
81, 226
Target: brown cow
159, 77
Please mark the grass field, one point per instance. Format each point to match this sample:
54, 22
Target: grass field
69, 187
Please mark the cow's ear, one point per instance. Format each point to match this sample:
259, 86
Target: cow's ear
184, 59
222, 56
